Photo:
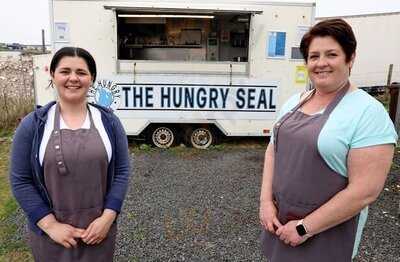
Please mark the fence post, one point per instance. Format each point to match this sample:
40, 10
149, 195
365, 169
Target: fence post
393, 91
396, 105
388, 81
43, 43
389, 78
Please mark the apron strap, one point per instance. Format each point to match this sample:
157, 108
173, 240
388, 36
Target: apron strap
302, 102
91, 124
287, 115
331, 106
57, 142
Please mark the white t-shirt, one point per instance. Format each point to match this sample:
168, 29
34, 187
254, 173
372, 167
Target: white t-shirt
49, 126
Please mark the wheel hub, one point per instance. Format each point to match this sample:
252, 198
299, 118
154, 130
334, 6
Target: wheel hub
163, 137
201, 138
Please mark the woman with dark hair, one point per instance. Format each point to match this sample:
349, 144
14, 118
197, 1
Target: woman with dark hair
70, 167
328, 158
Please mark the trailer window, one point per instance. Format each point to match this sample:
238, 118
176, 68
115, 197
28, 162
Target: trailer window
296, 53
276, 44
183, 37
301, 31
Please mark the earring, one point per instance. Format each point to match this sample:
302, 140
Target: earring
50, 84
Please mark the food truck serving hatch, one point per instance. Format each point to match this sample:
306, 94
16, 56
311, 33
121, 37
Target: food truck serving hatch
183, 34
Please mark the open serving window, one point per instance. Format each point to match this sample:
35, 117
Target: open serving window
183, 37
195, 40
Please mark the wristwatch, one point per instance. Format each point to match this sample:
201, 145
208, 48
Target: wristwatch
301, 229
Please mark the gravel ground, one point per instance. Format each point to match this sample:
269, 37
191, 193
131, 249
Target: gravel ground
189, 205
203, 206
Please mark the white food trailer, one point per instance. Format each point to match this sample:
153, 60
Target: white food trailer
186, 70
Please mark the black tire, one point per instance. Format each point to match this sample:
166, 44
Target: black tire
163, 136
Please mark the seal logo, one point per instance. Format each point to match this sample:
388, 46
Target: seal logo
105, 93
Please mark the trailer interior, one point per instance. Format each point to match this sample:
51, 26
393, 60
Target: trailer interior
183, 36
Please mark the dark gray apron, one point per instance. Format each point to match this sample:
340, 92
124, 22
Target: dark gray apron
302, 183
75, 173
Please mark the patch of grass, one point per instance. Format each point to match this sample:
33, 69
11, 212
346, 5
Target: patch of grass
141, 148
17, 256
11, 249
11, 246
131, 215
133, 259
139, 234
9, 207
187, 151
384, 99
218, 147
6, 134
145, 147
181, 150
5, 195
13, 109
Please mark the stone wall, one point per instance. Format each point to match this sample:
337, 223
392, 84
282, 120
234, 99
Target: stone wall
16, 88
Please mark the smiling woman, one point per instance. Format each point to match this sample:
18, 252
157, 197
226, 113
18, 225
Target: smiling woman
71, 181
330, 154
72, 79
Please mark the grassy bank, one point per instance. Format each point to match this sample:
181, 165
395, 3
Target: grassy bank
13, 109
12, 248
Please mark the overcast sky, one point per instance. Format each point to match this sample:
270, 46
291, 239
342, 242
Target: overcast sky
21, 21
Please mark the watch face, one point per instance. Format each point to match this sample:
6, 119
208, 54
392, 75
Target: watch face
301, 230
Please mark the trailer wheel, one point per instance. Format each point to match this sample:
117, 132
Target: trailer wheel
163, 137
201, 138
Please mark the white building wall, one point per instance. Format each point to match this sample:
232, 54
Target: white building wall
378, 46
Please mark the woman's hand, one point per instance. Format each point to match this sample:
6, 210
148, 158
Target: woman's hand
64, 234
268, 216
97, 230
60, 233
289, 235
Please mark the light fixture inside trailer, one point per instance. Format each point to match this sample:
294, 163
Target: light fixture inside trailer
167, 16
